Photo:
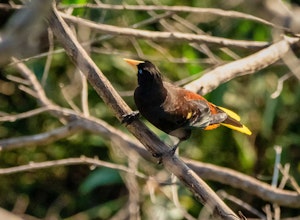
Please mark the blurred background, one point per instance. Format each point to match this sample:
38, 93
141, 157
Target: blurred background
87, 192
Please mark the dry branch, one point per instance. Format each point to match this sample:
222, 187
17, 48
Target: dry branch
211, 11
119, 107
67, 162
17, 37
247, 65
42, 138
12, 118
160, 36
173, 9
246, 183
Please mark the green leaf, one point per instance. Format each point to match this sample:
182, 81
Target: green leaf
98, 178
269, 116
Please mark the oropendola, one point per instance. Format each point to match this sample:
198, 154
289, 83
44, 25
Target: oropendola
176, 110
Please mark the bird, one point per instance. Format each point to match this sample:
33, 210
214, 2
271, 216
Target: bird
175, 110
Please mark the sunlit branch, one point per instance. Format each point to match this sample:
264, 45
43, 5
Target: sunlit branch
40, 139
166, 36
67, 162
212, 11
247, 65
13, 118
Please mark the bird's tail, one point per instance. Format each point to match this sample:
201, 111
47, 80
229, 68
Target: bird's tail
233, 122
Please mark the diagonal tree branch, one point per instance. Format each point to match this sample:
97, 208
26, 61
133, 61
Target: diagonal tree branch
119, 107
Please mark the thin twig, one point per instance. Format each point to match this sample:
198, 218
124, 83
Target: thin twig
285, 175
213, 11
280, 82
13, 118
241, 203
159, 36
42, 138
67, 162
18, 80
246, 183
17, 37
278, 150
292, 180
36, 86
49, 57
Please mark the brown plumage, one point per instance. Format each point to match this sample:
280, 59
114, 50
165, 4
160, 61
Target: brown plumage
175, 110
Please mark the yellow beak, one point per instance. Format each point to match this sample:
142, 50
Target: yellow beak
133, 63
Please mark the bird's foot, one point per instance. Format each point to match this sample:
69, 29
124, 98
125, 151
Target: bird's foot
159, 157
174, 148
170, 152
130, 117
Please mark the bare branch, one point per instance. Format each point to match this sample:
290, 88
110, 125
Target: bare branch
49, 57
18, 35
212, 11
38, 89
247, 65
119, 107
67, 162
280, 82
159, 36
283, 14
172, 9
278, 150
4, 214
42, 138
246, 183
12, 118
241, 203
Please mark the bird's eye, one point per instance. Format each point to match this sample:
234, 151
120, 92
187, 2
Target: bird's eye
140, 71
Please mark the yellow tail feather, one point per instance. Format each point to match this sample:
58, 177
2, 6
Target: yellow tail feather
233, 115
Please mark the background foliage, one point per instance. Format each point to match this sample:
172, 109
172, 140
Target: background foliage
83, 192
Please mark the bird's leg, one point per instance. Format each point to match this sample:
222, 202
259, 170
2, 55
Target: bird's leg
130, 117
175, 146
172, 151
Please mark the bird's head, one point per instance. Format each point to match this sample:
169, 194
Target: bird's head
147, 72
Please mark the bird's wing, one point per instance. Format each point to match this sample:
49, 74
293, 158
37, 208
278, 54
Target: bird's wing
207, 115
191, 110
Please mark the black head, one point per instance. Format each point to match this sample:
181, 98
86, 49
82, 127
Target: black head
148, 73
